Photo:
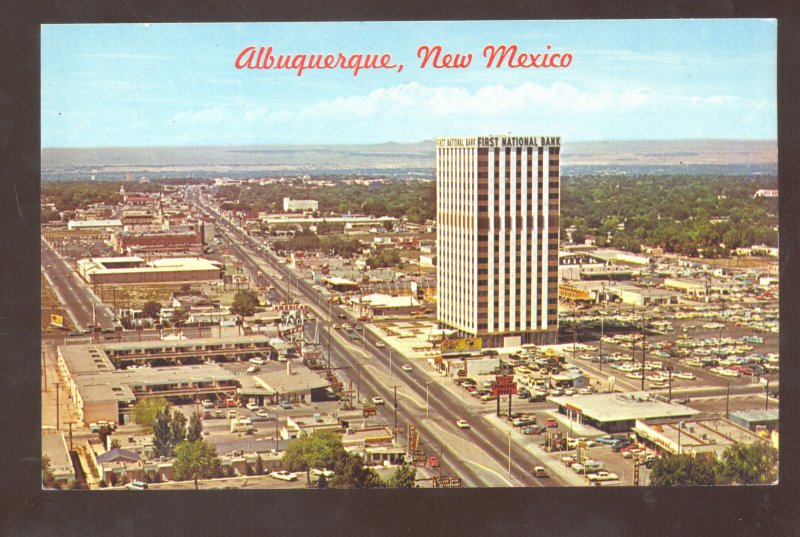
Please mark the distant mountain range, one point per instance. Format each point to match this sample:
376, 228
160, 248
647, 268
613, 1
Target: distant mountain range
399, 159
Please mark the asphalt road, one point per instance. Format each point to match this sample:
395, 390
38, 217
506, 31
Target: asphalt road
448, 409
76, 297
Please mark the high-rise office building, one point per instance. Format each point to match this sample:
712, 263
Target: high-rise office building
497, 216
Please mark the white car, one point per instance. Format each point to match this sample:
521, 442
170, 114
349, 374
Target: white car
257, 361
378, 401
207, 403
462, 424
602, 476
283, 475
317, 472
380, 344
407, 367
251, 406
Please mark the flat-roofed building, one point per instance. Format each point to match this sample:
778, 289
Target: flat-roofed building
134, 270
300, 205
100, 391
154, 242
697, 436
618, 412
94, 224
54, 446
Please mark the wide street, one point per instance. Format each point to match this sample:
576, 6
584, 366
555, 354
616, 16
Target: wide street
439, 427
76, 296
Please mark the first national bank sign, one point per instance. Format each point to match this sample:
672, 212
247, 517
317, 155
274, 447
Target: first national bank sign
500, 141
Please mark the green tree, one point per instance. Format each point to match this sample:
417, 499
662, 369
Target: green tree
48, 478
195, 431
179, 316
195, 460
151, 309
162, 434
320, 449
350, 473
145, 411
684, 470
384, 258
750, 464
245, 303
177, 427
405, 477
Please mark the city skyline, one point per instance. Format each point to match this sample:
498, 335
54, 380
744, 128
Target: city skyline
135, 85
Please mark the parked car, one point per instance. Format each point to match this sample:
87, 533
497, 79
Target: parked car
283, 475
257, 361
285, 405
607, 440
251, 406
318, 472
551, 422
207, 403
602, 476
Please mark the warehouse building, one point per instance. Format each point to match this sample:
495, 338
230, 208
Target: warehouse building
134, 270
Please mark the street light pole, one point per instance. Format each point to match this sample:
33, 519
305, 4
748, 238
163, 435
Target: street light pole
509, 454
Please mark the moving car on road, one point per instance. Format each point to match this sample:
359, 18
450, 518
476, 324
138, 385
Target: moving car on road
378, 401
462, 424
407, 367
433, 461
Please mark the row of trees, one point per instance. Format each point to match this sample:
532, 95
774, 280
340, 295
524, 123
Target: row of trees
740, 464
324, 450
682, 214
338, 245
400, 198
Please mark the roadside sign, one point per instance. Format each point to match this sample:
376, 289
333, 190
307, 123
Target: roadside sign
504, 385
446, 482
764, 381
57, 320
369, 410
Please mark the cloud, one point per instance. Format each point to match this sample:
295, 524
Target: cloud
499, 100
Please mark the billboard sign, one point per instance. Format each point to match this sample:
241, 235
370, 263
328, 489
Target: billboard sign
461, 344
57, 320
504, 385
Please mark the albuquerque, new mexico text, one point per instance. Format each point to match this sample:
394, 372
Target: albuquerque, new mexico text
509, 56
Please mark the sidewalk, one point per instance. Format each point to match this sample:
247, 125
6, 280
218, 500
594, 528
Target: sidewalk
554, 466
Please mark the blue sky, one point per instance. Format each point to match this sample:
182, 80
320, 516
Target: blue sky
128, 85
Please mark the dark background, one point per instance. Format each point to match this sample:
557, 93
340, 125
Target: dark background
25, 510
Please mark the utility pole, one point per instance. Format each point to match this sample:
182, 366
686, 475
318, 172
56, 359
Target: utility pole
329, 346
58, 407
70, 434
509, 454
394, 431
358, 384
728, 402
44, 370
574, 331
390, 363
644, 342
277, 434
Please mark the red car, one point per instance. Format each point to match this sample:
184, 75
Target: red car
551, 422
433, 461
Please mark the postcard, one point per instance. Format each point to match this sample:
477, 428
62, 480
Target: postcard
476, 254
